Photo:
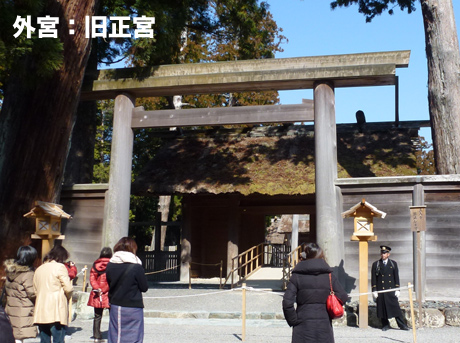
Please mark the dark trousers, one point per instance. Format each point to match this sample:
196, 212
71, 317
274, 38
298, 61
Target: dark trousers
399, 321
55, 330
97, 323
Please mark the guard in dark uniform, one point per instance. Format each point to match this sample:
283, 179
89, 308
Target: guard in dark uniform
385, 275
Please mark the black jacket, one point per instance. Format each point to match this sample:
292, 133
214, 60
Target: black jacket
384, 278
309, 288
126, 282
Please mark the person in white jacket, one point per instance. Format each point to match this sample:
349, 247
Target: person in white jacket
53, 290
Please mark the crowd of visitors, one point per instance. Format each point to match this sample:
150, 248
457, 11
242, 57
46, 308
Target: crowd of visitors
37, 301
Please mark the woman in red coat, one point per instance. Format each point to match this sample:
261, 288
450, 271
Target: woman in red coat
98, 297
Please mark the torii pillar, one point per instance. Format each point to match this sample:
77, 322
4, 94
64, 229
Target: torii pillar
329, 233
116, 209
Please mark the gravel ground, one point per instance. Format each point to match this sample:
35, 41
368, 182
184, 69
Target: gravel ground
160, 330
206, 299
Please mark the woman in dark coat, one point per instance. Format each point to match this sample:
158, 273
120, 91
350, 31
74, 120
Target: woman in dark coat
126, 279
309, 287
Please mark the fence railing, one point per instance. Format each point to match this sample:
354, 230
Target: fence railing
165, 261
290, 261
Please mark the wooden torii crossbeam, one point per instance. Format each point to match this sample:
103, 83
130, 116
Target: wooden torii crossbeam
350, 70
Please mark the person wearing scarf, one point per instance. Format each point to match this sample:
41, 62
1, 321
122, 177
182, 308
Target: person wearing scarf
127, 281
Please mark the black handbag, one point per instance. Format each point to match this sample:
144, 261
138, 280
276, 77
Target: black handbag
6, 329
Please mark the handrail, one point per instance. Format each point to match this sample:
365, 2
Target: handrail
246, 263
290, 261
251, 260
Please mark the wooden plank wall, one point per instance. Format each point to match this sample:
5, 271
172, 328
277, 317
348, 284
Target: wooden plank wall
83, 233
442, 240
393, 230
442, 236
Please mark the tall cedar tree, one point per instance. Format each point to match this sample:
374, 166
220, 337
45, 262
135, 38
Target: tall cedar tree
37, 117
443, 57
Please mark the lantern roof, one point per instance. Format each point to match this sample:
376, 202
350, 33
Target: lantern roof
46, 208
352, 212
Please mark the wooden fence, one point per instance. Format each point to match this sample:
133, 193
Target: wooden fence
161, 265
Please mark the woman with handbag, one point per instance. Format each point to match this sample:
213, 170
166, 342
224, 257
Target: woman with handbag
309, 287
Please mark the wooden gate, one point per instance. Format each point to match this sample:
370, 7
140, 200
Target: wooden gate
166, 268
278, 254
161, 265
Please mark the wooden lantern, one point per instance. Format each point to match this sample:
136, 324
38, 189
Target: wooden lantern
363, 213
47, 223
363, 231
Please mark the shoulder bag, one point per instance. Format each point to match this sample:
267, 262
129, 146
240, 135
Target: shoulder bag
333, 304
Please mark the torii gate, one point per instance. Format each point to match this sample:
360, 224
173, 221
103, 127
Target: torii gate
321, 73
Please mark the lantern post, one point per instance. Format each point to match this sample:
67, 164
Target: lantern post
363, 232
47, 223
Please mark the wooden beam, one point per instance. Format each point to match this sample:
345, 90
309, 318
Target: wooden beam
223, 116
367, 69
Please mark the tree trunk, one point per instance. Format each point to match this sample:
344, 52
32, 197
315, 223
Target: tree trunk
442, 51
35, 127
80, 161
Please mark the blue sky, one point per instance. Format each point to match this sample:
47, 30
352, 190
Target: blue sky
312, 28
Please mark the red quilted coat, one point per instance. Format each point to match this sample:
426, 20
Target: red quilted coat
98, 280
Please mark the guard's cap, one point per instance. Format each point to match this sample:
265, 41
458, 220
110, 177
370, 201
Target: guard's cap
385, 248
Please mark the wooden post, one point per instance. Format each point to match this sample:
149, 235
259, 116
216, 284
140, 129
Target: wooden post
363, 283
233, 263
329, 237
157, 263
363, 231
419, 251
47, 245
220, 277
185, 244
190, 276
116, 223
84, 279
419, 278
412, 313
419, 248
243, 313
233, 225
295, 232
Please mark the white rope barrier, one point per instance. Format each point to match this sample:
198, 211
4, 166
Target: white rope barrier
82, 271
190, 295
383, 291
252, 289
260, 291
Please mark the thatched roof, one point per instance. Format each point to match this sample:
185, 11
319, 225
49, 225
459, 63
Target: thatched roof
273, 160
